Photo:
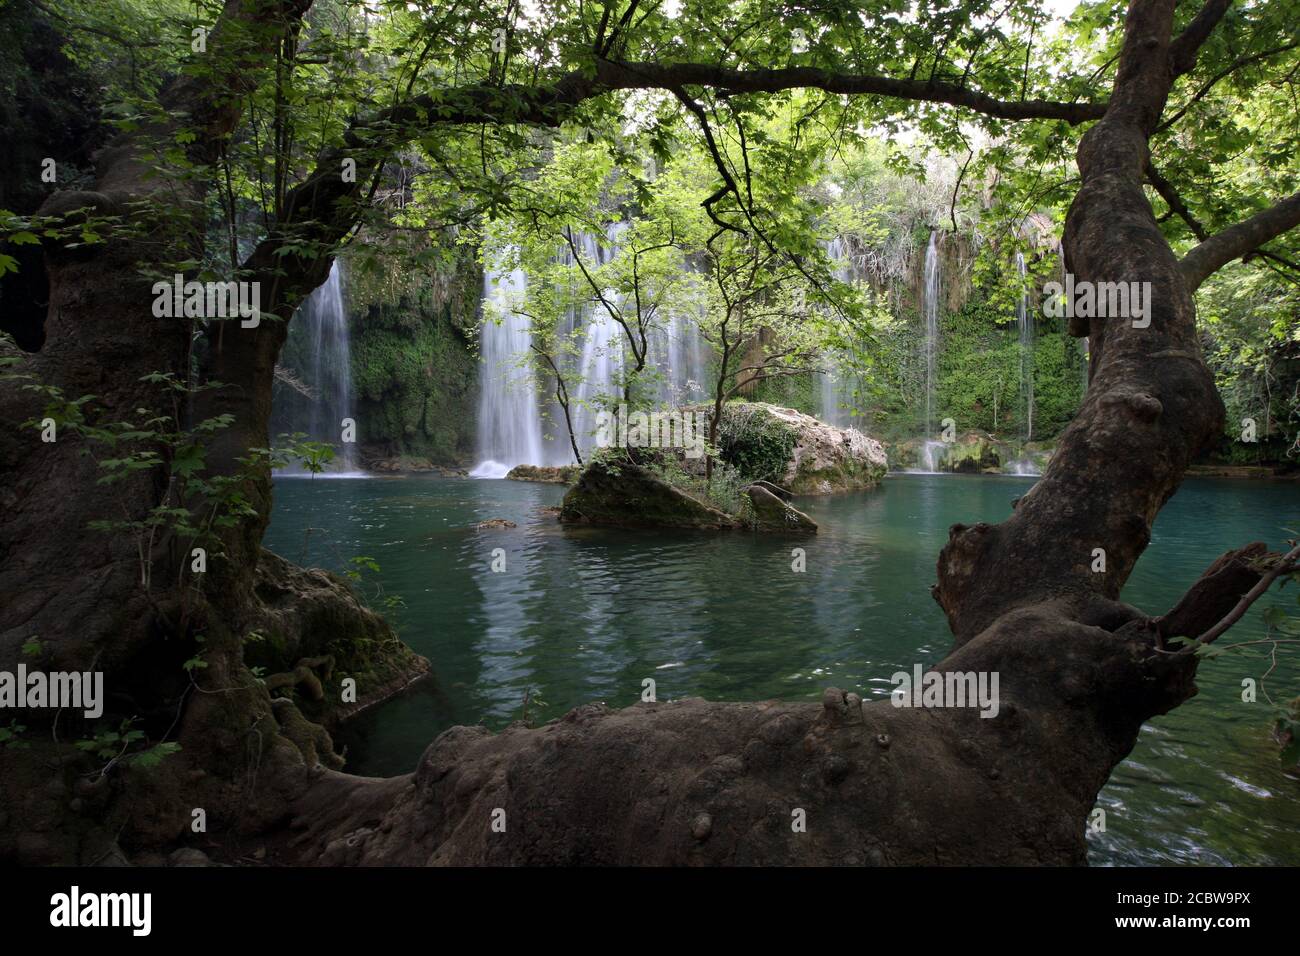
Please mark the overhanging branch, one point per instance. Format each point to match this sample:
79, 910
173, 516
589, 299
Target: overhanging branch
618, 75
1236, 241
1185, 46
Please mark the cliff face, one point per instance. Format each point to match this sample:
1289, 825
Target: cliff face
414, 370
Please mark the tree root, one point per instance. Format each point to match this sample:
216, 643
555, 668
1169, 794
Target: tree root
304, 675
692, 782
312, 740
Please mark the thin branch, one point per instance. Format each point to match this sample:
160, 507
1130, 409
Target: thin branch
1185, 46
1223, 74
1284, 566
1175, 202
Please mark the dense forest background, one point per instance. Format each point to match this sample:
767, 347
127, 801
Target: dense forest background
414, 286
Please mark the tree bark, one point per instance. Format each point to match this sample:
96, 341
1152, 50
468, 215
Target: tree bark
78, 591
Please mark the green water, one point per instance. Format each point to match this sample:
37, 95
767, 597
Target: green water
585, 614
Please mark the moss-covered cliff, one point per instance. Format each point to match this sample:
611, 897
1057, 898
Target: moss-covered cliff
413, 365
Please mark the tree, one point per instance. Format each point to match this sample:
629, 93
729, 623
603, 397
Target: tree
596, 251
757, 319
688, 781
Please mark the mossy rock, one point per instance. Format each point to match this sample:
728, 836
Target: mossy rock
978, 453
798, 452
308, 614
414, 366
620, 493
626, 495
561, 475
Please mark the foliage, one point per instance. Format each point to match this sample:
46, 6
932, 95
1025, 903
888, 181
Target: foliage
724, 489
113, 746
12, 736
1252, 342
358, 568
195, 505
755, 444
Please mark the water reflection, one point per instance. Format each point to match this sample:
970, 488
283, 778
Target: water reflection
583, 614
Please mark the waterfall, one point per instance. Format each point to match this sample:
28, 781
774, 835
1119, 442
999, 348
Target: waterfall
829, 410
678, 354
930, 306
316, 372
675, 348
601, 369
509, 423
930, 347
835, 391
1025, 325
511, 426
595, 382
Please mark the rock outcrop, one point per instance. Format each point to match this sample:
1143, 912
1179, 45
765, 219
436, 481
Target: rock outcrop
551, 475
772, 512
306, 616
621, 493
798, 452
407, 465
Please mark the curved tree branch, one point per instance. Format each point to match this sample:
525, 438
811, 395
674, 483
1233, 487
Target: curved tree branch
619, 75
1221, 75
1175, 202
1236, 241
1283, 566
1184, 47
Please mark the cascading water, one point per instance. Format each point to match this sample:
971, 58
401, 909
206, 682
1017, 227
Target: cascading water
679, 356
596, 380
830, 410
601, 368
316, 376
1025, 325
932, 450
512, 427
675, 349
509, 424
835, 391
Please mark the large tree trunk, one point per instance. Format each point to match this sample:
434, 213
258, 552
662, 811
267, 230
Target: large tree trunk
80, 592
